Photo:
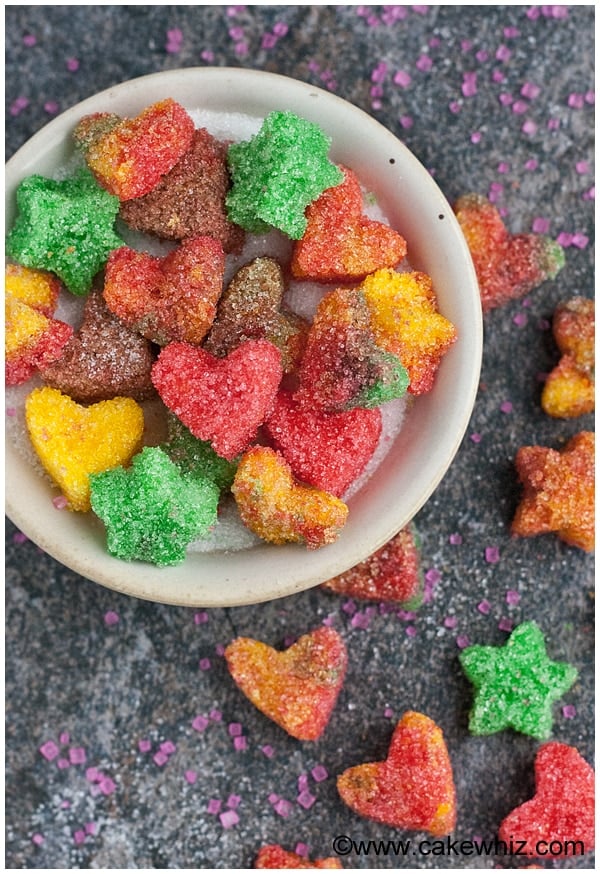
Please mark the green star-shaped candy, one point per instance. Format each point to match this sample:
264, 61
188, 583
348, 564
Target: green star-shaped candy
151, 511
277, 173
65, 227
196, 457
515, 684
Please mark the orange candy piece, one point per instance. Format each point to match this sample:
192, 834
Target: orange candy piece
413, 788
558, 491
274, 856
296, 688
73, 441
278, 509
341, 244
406, 322
569, 390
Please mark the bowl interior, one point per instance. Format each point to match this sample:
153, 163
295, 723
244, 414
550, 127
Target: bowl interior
434, 425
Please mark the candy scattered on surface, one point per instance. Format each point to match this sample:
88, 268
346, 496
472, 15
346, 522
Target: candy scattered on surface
31, 340
515, 684
103, 360
277, 173
342, 366
280, 510
274, 856
508, 266
170, 298
340, 243
129, 158
73, 441
189, 201
251, 308
406, 322
325, 450
296, 688
151, 512
559, 819
65, 227
558, 491
222, 400
393, 573
569, 390
413, 788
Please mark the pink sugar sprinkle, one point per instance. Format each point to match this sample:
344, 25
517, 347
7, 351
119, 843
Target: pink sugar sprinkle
241, 49
144, 746
498, 76
220, 649
564, 239
575, 101
475, 437
240, 743
49, 750
329, 620
204, 664
93, 775
492, 554
63, 764
476, 137
402, 78
29, 40
484, 607
268, 751
51, 107
168, 747
301, 850
582, 167
65, 804
199, 723
200, 618
234, 729
90, 828
233, 802
424, 63
505, 99
280, 28
79, 836
77, 755
503, 167
269, 41
19, 537
511, 32
216, 715
302, 782
273, 798
520, 107
503, 53
59, 502
512, 596
531, 164
111, 618
72, 65
214, 805
229, 818
160, 758
553, 124
388, 713
580, 240
433, 576
37, 839
107, 786
207, 56
590, 97
505, 624
306, 800
569, 711
454, 107
283, 807
482, 56
18, 105
529, 127
469, 85
506, 407
191, 776
64, 737
540, 225
520, 320
530, 90
450, 622
455, 539
360, 620
319, 773
590, 194
462, 641
11, 411
410, 631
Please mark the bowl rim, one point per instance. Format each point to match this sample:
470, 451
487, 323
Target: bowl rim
223, 579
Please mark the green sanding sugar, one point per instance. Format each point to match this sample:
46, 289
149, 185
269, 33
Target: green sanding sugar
65, 227
196, 457
150, 510
278, 173
392, 383
515, 684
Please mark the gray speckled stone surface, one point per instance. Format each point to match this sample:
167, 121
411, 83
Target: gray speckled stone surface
73, 677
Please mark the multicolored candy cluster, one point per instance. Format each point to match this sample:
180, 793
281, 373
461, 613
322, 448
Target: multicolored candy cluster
262, 406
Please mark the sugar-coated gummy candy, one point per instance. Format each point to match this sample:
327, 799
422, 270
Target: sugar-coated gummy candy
405, 321
222, 400
169, 298
325, 450
340, 243
392, 573
151, 511
36, 288
73, 441
31, 340
131, 156
251, 308
342, 366
558, 491
279, 509
296, 688
197, 458
65, 227
413, 788
277, 173
275, 856
90, 129
189, 201
508, 266
559, 820
569, 390
104, 359
515, 684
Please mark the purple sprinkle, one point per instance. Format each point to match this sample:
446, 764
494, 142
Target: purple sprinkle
450, 622
107, 786
406, 122
511, 32
462, 641
360, 620
349, 607
229, 818
590, 194
540, 225
575, 101
234, 729
469, 85
204, 664
553, 123
59, 502
329, 620
167, 747
484, 607
492, 554
191, 776
72, 65
207, 56
564, 239
512, 597
240, 743
506, 407
482, 56
402, 78
51, 107
214, 805
503, 53
268, 751
476, 137
19, 537
319, 773
466, 45
79, 836
505, 624
29, 40
529, 127
18, 105
580, 241
301, 850
475, 437
220, 649
62, 764
531, 164
269, 40
433, 576
273, 798
590, 98
582, 167
406, 615
37, 839
569, 711
410, 631
111, 618
520, 107
160, 758
302, 782
503, 167
306, 800
90, 828
49, 750
280, 28
64, 737
200, 618
454, 107
93, 775
424, 63
241, 49
520, 320
498, 77
282, 807
199, 723
455, 539
215, 715
77, 755
233, 802
505, 99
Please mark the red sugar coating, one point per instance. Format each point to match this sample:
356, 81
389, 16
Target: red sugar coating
325, 450
393, 573
189, 201
274, 856
559, 820
132, 156
341, 244
170, 298
222, 400
413, 788
31, 340
508, 266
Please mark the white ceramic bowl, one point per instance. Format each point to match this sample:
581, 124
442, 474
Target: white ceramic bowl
434, 425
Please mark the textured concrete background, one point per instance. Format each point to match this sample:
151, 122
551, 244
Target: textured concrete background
98, 672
